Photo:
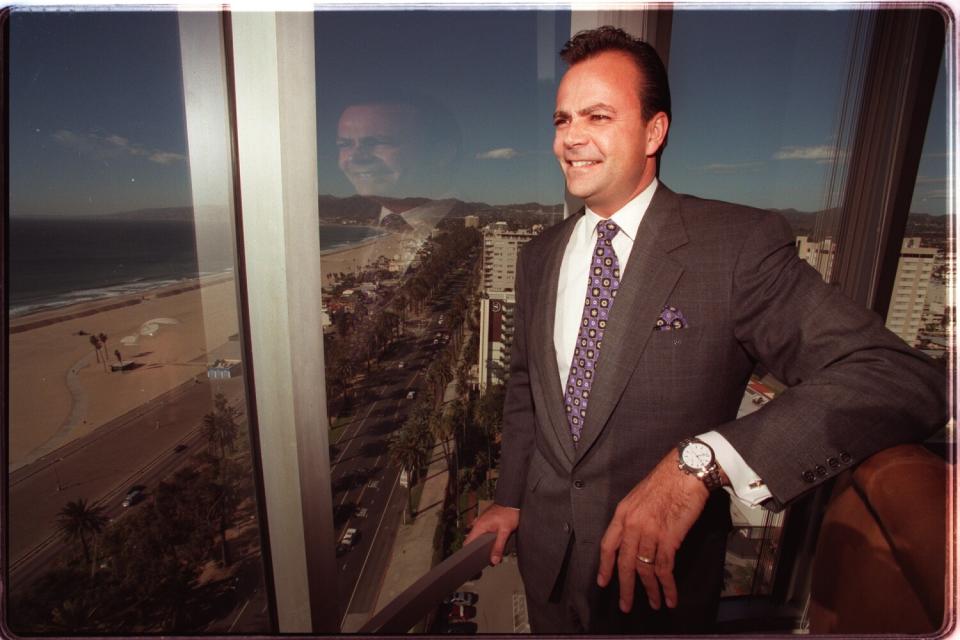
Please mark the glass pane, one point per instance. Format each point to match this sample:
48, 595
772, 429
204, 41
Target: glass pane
760, 118
435, 166
132, 505
920, 311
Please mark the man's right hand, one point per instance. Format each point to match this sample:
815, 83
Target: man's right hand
499, 520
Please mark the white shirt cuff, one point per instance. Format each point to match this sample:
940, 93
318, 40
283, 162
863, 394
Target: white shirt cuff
745, 484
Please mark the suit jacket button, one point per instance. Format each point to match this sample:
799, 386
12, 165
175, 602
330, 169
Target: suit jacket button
578, 484
808, 476
845, 457
821, 470
566, 527
833, 462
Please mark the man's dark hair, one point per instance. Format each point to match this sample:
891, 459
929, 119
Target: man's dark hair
654, 88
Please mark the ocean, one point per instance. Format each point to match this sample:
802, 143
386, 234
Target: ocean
54, 263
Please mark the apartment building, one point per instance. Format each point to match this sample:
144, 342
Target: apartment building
501, 246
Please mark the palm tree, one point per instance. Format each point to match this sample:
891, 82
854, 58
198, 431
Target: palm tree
95, 341
406, 454
79, 521
103, 344
221, 430
220, 426
400, 303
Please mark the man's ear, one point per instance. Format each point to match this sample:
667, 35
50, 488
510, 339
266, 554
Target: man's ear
657, 128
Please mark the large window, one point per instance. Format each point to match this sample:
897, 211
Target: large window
131, 505
435, 167
261, 291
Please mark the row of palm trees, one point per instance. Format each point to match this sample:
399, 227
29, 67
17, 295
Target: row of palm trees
138, 572
99, 343
364, 335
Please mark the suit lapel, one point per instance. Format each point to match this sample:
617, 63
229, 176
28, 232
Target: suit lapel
645, 286
550, 391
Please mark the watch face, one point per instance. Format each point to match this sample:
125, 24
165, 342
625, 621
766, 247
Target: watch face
697, 455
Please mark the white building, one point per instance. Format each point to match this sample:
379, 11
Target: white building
819, 254
905, 315
499, 267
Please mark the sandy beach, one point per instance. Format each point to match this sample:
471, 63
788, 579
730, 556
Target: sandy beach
349, 259
58, 390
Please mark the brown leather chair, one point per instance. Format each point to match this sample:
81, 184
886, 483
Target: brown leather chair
880, 564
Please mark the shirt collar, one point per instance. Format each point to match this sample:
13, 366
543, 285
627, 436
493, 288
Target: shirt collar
629, 216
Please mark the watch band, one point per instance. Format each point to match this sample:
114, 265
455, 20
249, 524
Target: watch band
711, 476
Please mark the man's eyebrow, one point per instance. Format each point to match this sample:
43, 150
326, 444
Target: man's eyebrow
599, 106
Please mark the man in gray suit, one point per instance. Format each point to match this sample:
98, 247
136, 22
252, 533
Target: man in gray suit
683, 298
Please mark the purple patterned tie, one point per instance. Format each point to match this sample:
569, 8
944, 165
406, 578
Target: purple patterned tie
602, 288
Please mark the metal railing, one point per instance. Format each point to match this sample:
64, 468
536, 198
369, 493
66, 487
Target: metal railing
411, 606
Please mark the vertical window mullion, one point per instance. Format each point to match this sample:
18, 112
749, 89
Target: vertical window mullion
277, 158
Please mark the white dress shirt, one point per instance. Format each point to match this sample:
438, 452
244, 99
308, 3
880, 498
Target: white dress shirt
571, 290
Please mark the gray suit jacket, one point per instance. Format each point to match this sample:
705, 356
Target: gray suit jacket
733, 272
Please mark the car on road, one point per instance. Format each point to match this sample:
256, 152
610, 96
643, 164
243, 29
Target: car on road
134, 495
462, 597
411, 395
461, 612
401, 365
349, 538
180, 448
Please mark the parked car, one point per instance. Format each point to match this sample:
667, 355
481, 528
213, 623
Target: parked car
134, 495
461, 597
411, 395
461, 612
401, 365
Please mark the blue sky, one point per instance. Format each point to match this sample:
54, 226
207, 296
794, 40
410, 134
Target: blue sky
97, 122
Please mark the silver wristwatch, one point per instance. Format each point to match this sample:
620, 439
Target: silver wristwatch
696, 457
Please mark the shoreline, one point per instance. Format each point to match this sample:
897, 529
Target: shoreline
46, 317
59, 387
73, 310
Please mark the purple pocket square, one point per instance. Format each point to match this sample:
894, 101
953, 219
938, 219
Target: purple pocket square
670, 318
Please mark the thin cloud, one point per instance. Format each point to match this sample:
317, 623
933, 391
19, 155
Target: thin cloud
931, 180
166, 157
819, 153
100, 146
502, 153
732, 167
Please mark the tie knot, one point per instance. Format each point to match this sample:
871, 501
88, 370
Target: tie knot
607, 229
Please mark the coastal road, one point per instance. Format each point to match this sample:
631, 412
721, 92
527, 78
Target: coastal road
137, 448
366, 491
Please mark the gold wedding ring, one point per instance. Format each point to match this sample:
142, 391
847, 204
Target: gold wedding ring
644, 559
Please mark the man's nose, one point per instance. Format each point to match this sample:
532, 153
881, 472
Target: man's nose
574, 134
360, 152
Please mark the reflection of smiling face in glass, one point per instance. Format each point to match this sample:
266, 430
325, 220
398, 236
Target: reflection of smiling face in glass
380, 147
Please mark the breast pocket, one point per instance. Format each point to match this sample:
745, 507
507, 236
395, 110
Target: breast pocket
674, 353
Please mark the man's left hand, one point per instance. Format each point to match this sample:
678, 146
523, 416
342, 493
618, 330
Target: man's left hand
650, 523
